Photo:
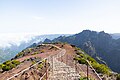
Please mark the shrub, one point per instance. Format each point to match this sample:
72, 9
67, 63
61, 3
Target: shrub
40, 65
35, 53
91, 59
33, 62
82, 55
9, 65
20, 54
83, 78
7, 62
6, 68
0, 66
12, 66
118, 77
76, 48
15, 62
101, 68
82, 61
78, 53
30, 49
42, 51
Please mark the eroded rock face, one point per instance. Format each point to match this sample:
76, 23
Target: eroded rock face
89, 48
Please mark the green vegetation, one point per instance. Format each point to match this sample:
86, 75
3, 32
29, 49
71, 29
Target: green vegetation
33, 62
24, 52
118, 77
40, 65
8, 65
20, 54
42, 51
15, 62
77, 48
85, 78
30, 49
80, 60
35, 53
100, 68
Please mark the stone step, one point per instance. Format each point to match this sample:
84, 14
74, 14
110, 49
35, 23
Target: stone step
61, 71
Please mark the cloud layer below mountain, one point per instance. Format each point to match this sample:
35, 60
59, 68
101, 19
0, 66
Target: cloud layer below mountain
7, 39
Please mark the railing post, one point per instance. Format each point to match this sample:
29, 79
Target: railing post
87, 72
46, 68
52, 65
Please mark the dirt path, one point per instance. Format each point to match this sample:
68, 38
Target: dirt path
42, 55
62, 65
61, 71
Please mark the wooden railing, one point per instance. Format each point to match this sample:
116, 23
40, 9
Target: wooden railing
60, 54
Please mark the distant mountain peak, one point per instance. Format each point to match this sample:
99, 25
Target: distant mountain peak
102, 31
47, 40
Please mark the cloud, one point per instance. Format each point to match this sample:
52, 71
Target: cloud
15, 38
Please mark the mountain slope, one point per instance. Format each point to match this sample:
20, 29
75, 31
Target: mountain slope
15, 46
116, 35
60, 60
99, 45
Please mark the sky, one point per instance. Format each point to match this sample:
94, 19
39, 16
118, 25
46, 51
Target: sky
59, 16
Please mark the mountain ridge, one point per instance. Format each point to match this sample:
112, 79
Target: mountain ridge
96, 44
66, 58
